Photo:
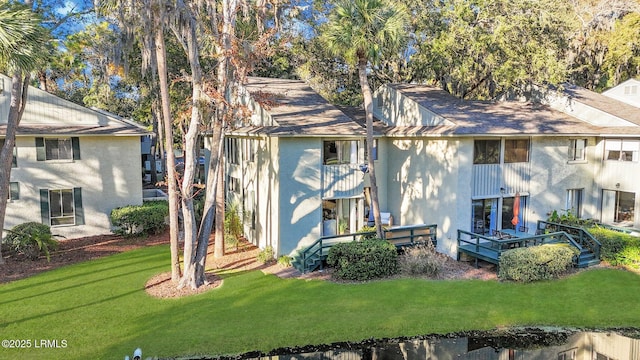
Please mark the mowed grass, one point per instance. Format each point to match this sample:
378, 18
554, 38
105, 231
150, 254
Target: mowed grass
101, 311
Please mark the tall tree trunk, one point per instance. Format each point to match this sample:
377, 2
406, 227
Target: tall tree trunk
218, 250
210, 206
191, 150
368, 110
168, 133
19, 90
214, 201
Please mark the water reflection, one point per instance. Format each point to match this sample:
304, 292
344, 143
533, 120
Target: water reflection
531, 345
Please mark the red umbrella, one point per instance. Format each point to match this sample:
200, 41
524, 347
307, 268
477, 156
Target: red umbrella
516, 210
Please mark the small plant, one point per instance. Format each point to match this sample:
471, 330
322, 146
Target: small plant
363, 260
369, 232
266, 255
284, 260
536, 263
31, 239
233, 228
134, 220
421, 260
567, 217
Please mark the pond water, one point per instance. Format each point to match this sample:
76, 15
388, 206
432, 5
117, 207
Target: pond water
536, 344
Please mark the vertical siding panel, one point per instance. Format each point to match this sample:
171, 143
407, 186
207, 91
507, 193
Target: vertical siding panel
341, 181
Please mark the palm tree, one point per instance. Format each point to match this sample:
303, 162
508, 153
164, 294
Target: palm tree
359, 31
22, 49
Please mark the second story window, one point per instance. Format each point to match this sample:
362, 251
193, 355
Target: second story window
486, 152
58, 148
336, 152
621, 150
577, 149
232, 151
516, 150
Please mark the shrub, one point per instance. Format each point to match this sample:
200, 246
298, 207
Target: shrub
31, 239
266, 255
284, 260
569, 218
618, 248
133, 220
536, 263
421, 260
363, 260
367, 229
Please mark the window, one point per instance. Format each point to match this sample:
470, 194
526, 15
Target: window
232, 151
14, 161
577, 149
233, 184
340, 152
486, 152
61, 207
249, 150
625, 203
574, 201
516, 150
621, 150
14, 191
631, 89
57, 148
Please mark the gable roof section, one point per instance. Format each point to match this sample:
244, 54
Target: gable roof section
296, 110
627, 91
493, 118
47, 114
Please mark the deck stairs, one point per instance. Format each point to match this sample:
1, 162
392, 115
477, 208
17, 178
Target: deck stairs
489, 248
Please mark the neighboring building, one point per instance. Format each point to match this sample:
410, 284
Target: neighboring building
72, 165
295, 169
627, 92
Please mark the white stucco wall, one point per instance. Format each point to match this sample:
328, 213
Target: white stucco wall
109, 173
429, 183
300, 192
552, 175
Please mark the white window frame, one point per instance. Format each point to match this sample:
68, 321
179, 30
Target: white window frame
575, 201
626, 150
577, 150
65, 215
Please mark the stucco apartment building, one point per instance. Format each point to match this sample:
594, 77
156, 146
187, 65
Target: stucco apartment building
72, 165
296, 168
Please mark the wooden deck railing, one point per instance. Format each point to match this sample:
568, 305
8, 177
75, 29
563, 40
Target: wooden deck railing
489, 248
579, 234
401, 236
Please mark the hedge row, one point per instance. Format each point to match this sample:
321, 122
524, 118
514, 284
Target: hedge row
133, 220
618, 248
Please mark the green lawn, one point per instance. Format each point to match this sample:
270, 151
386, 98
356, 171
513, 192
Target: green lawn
101, 310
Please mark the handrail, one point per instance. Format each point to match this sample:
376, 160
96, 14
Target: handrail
496, 247
316, 248
584, 237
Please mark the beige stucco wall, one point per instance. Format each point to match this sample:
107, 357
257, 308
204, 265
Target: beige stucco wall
109, 173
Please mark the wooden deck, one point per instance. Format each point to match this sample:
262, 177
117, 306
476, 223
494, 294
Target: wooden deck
489, 248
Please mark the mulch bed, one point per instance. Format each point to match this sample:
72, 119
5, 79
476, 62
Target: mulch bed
73, 251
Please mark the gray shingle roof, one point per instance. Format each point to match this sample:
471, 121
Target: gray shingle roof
495, 118
297, 110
